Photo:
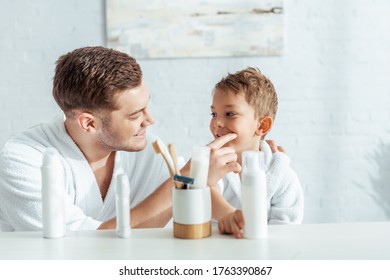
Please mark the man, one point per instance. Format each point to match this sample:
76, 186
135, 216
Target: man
103, 133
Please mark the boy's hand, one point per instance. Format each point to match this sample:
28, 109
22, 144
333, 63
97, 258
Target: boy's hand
232, 223
222, 159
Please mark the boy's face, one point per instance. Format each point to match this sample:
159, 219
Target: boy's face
230, 113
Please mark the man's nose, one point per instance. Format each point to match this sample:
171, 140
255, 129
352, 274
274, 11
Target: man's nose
148, 119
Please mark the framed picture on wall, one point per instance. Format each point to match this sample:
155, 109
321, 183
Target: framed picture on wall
194, 28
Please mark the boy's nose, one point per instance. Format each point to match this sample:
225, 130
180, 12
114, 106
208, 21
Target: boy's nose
218, 122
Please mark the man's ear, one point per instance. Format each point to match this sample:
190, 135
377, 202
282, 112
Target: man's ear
264, 126
87, 122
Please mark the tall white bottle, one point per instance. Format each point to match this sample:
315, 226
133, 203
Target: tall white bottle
122, 200
53, 195
199, 168
254, 195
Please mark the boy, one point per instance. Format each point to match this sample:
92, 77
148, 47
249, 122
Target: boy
245, 103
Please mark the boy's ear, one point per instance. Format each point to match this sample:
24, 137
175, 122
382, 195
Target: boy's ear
264, 126
87, 122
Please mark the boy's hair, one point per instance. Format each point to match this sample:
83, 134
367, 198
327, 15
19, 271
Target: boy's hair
258, 90
89, 78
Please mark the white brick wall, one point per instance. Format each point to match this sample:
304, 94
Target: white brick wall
33, 35
332, 82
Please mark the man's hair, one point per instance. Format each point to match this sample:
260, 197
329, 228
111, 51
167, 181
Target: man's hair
89, 78
258, 90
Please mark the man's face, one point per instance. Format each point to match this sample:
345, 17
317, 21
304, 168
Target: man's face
230, 113
125, 129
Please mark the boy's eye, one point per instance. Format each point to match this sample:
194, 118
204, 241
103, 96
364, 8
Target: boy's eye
213, 115
230, 114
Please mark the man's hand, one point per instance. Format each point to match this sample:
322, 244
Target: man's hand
222, 159
232, 223
274, 147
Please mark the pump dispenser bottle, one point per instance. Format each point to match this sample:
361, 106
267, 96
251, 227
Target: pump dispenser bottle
53, 195
199, 168
254, 195
122, 200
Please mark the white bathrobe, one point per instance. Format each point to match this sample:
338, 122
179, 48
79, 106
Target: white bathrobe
284, 191
20, 179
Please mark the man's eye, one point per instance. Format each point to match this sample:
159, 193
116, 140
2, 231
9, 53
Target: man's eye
230, 114
134, 117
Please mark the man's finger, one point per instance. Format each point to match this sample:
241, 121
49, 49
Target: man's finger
272, 145
281, 149
220, 141
266, 148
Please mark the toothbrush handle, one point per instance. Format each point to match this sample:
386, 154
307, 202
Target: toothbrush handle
171, 171
172, 151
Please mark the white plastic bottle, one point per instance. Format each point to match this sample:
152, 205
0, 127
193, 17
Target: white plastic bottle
53, 195
122, 200
199, 168
254, 195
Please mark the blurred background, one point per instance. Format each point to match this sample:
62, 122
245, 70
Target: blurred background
332, 82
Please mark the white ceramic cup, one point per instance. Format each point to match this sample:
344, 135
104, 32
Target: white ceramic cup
191, 206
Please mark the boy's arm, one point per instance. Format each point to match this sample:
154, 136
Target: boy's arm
288, 208
222, 161
286, 205
232, 223
220, 206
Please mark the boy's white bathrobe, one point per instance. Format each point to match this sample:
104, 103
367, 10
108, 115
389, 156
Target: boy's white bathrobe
20, 179
284, 191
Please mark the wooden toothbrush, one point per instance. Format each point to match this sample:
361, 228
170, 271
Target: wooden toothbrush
158, 147
172, 151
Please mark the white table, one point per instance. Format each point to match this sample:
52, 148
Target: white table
307, 241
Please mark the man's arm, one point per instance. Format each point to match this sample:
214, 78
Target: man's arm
156, 209
283, 183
